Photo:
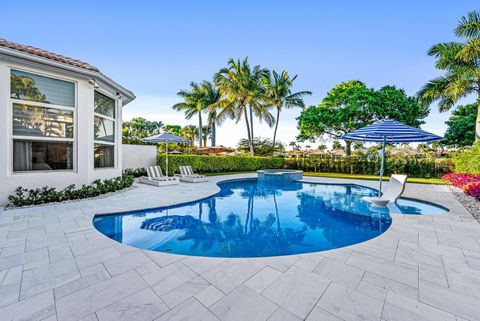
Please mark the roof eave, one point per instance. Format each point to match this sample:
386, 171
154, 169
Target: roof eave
127, 95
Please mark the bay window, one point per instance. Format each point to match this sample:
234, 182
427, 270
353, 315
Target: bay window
43, 122
104, 131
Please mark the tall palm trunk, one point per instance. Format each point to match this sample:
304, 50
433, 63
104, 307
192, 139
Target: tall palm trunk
200, 129
251, 129
477, 126
213, 138
275, 130
248, 132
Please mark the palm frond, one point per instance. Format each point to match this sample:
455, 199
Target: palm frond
469, 26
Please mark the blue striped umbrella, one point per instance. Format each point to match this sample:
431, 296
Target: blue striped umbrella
165, 138
390, 131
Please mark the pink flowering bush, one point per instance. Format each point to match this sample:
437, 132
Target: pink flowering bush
472, 189
469, 183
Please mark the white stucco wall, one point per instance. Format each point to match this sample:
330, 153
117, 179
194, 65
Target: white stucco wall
83, 171
135, 156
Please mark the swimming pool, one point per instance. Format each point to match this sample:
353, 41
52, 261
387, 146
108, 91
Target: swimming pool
250, 219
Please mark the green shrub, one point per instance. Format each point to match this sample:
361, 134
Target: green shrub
218, 164
411, 166
468, 161
135, 172
24, 196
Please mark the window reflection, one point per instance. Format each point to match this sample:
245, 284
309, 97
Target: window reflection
104, 129
40, 121
32, 87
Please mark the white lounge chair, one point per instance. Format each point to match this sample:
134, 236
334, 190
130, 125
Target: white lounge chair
156, 178
395, 189
187, 175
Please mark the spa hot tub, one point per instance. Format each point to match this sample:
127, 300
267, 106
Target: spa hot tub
279, 176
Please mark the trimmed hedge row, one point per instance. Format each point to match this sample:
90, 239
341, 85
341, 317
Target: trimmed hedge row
218, 164
468, 161
25, 196
411, 166
414, 167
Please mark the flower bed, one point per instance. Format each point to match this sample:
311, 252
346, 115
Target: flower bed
469, 183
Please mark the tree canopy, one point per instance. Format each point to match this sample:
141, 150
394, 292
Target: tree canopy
352, 105
461, 63
135, 130
461, 126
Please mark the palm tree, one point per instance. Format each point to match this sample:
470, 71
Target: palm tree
192, 104
190, 132
211, 96
461, 62
279, 95
242, 94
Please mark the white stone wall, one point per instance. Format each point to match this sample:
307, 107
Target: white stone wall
135, 156
84, 171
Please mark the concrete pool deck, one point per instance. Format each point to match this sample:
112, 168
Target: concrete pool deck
54, 265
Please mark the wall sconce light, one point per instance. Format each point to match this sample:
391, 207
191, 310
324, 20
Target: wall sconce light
93, 83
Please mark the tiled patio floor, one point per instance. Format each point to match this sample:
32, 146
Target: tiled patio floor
55, 266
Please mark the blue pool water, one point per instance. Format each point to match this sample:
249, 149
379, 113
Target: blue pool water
250, 219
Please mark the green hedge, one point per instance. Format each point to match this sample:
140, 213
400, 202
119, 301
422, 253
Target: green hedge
218, 164
468, 161
25, 197
411, 166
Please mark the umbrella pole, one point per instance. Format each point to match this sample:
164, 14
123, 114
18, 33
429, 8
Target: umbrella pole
382, 166
166, 158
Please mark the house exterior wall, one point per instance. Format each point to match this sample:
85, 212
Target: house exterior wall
135, 156
83, 149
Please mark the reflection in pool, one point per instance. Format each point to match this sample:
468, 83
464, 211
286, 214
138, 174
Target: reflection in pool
249, 219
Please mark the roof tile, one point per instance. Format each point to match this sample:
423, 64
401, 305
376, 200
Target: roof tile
47, 54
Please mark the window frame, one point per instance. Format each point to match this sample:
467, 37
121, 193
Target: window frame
12, 101
115, 130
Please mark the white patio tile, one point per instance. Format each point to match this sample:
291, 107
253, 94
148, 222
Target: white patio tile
190, 310
283, 315
297, 291
400, 308
349, 304
144, 305
86, 301
209, 295
184, 291
263, 279
339, 272
395, 271
37, 307
90, 279
232, 273
243, 304
175, 279
48, 277
455, 302
388, 284
124, 263
10, 281
318, 314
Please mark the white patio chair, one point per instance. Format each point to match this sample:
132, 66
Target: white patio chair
156, 178
187, 175
395, 189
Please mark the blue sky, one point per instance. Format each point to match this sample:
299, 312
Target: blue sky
156, 48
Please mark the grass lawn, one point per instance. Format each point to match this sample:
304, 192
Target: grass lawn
437, 181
